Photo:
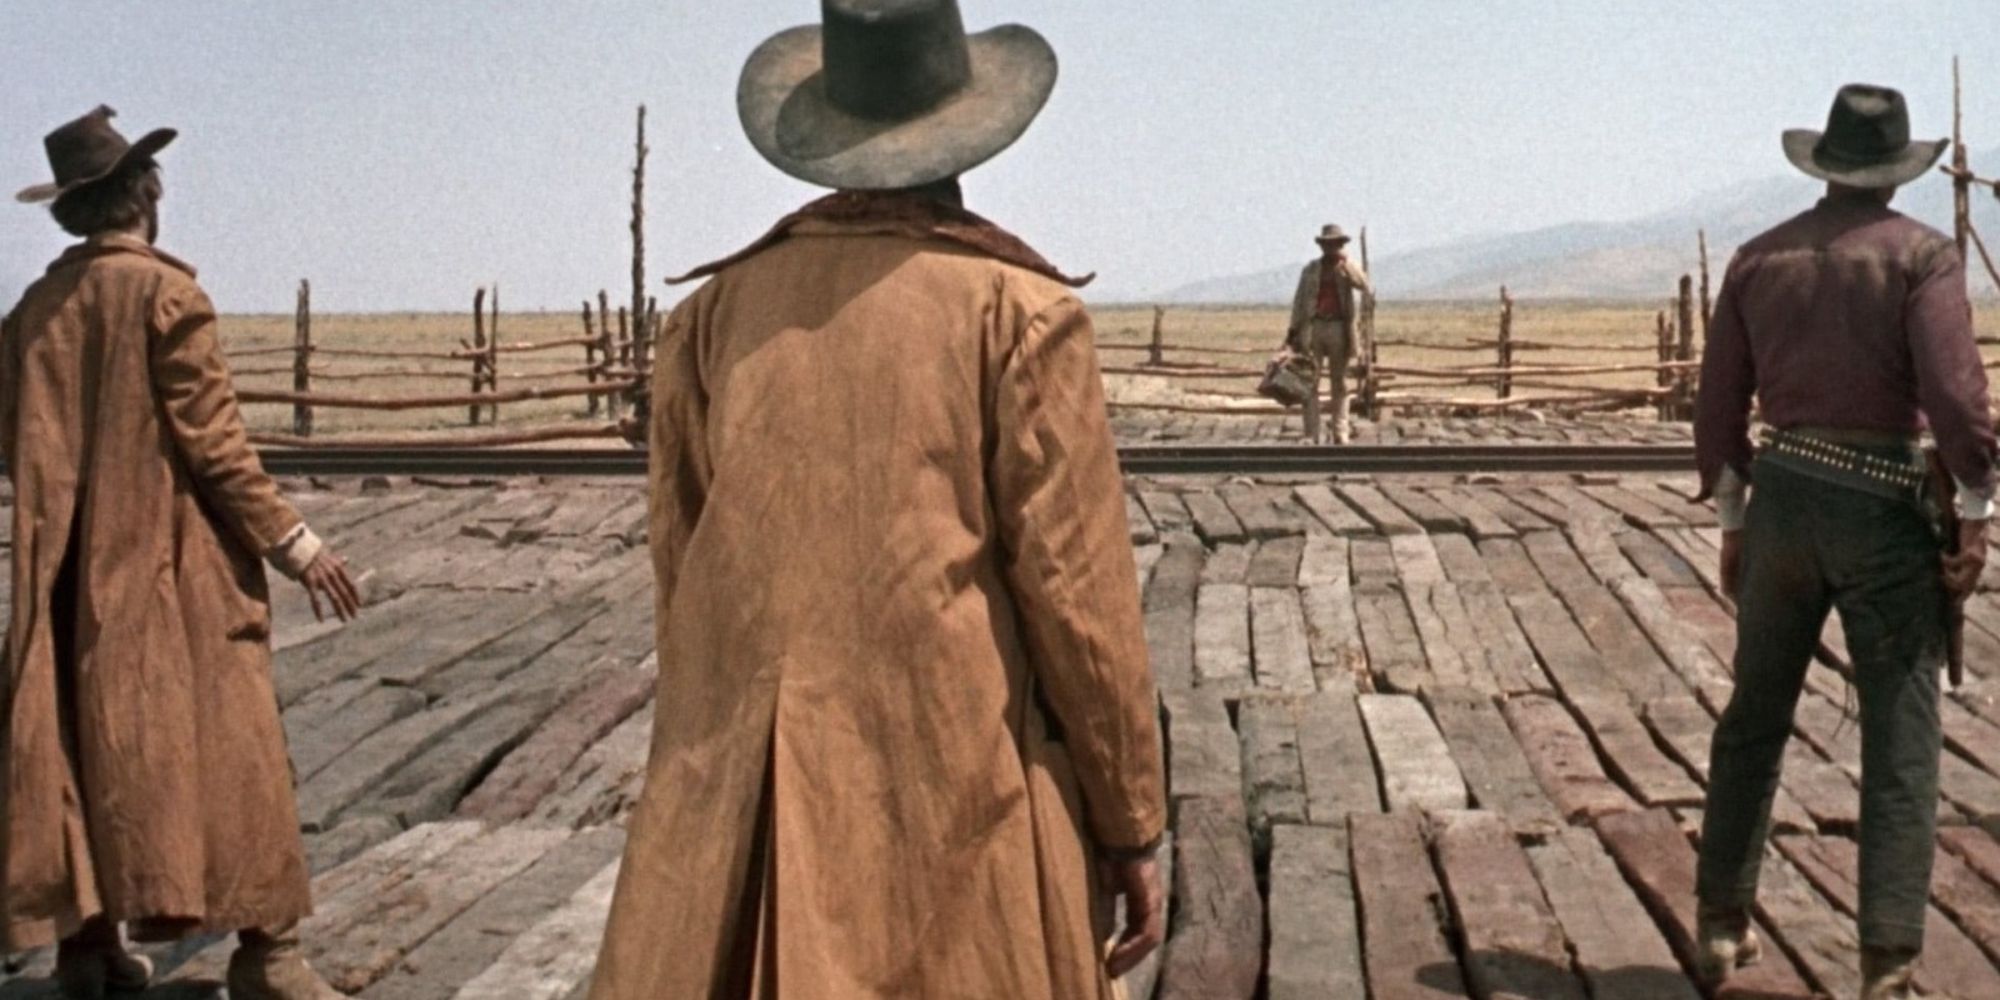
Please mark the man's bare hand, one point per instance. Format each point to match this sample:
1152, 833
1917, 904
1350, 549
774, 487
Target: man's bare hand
1138, 884
327, 577
1732, 563
1963, 570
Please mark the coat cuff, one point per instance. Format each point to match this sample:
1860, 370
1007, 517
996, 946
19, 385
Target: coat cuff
295, 551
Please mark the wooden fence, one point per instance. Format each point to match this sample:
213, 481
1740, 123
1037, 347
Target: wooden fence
612, 365
1520, 374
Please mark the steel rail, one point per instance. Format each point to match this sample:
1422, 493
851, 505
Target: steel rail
1145, 460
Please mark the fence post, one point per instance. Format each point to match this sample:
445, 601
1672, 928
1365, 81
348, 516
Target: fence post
1961, 178
1707, 300
607, 349
1664, 339
1506, 344
640, 312
1370, 382
589, 358
493, 358
302, 414
1159, 333
478, 351
625, 337
1683, 384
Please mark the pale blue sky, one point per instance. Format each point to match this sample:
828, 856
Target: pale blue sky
401, 153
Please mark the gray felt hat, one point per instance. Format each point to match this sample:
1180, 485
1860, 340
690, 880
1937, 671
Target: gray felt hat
1866, 143
891, 94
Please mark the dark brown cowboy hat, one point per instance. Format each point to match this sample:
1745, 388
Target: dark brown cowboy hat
891, 94
1866, 143
89, 150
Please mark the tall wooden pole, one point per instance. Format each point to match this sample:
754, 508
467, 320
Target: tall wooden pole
591, 403
639, 310
1369, 383
1961, 179
1665, 341
1707, 300
302, 414
478, 351
493, 357
609, 349
1159, 334
1683, 398
1506, 343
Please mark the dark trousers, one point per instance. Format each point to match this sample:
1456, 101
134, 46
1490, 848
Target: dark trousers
1809, 547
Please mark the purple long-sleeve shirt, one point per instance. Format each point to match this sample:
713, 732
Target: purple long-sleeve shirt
1850, 315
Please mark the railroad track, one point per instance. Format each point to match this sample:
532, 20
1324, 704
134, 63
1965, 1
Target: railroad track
1151, 460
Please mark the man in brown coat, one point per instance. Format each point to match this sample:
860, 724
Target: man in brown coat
146, 778
907, 743
1324, 310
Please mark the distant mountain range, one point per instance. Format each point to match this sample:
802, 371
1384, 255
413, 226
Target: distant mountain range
1639, 259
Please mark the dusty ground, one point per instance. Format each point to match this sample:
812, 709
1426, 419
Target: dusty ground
1255, 332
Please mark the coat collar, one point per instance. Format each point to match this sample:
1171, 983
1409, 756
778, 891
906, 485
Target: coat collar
900, 214
108, 244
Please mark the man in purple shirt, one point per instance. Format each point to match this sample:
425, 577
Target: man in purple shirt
1850, 326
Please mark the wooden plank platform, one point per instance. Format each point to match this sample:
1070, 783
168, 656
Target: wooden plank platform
1420, 731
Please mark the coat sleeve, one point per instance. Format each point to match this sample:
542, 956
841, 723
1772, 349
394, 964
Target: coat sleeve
677, 449
1061, 506
1728, 387
1359, 277
1302, 305
198, 402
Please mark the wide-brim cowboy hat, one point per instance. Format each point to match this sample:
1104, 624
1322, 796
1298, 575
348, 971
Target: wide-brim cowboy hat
88, 150
1866, 142
1332, 234
891, 94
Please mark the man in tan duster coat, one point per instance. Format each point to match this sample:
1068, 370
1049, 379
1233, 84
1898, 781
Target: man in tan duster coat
146, 779
907, 743
1324, 310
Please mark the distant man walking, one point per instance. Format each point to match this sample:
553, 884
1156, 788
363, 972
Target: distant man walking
146, 779
1850, 325
1322, 327
907, 743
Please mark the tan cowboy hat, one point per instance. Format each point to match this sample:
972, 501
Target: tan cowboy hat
1332, 234
89, 150
1866, 143
891, 94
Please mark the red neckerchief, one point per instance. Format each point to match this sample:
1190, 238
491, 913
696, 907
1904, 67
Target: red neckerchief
912, 215
1331, 303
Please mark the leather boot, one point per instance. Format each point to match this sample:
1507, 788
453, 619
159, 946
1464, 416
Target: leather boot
1724, 941
94, 962
1885, 975
269, 965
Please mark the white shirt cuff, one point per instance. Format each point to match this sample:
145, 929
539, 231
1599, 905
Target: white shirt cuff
295, 551
1732, 498
1972, 504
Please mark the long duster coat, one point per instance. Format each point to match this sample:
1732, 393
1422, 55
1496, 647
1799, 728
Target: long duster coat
892, 556
145, 775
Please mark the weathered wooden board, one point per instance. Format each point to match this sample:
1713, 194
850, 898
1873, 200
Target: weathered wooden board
1281, 655
1402, 912
551, 958
1513, 946
1950, 964
1562, 759
1418, 772
1274, 782
1481, 521
1395, 650
470, 944
1618, 948
1335, 759
1170, 610
1425, 509
531, 771
1204, 757
1378, 510
1276, 563
1222, 638
1657, 859
1496, 772
1824, 941
1213, 519
1165, 509
1215, 947
1315, 947
1331, 511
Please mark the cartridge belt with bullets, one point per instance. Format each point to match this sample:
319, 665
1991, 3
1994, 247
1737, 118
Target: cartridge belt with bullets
1891, 468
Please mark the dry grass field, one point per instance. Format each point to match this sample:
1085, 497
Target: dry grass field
1249, 329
